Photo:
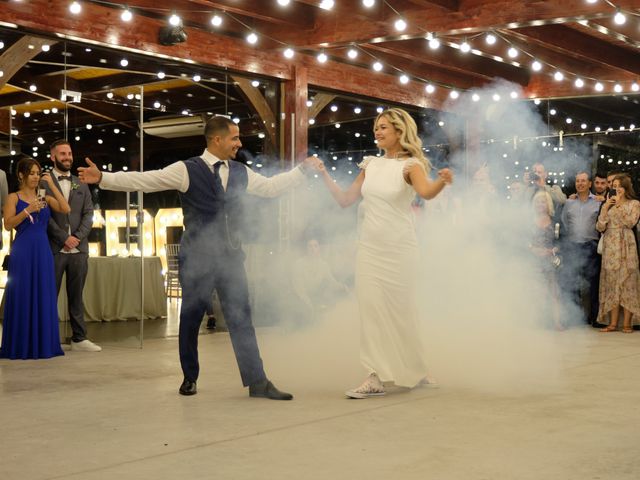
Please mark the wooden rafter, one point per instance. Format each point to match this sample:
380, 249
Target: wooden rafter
18, 54
259, 103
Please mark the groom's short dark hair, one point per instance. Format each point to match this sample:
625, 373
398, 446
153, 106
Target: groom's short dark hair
217, 125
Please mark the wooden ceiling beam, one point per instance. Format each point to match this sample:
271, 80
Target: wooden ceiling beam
259, 103
102, 24
581, 46
451, 60
473, 16
561, 60
320, 101
450, 5
18, 55
295, 15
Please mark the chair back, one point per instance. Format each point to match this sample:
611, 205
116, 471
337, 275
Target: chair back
173, 250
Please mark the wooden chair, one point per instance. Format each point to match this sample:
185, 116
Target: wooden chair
172, 281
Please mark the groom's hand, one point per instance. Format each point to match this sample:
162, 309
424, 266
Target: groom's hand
312, 164
90, 174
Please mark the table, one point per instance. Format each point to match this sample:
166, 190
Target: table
112, 290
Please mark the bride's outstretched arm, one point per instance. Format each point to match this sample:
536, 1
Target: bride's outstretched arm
424, 186
347, 197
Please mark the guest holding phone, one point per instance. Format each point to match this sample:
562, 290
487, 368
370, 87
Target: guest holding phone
30, 328
619, 276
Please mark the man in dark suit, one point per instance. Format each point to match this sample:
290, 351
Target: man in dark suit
211, 189
68, 238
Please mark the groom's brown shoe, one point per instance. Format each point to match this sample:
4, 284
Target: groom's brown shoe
266, 389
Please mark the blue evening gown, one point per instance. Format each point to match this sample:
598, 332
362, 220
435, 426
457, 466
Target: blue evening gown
30, 328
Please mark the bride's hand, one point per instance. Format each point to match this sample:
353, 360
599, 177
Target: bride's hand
446, 175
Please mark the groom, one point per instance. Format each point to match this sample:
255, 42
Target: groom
211, 189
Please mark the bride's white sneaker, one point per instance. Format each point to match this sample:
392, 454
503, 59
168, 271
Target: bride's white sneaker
371, 387
85, 346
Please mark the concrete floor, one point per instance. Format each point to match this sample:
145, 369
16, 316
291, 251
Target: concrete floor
117, 414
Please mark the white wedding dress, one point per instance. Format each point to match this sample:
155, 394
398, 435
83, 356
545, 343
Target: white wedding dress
386, 274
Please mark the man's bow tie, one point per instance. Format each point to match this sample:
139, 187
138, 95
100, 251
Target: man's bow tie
64, 177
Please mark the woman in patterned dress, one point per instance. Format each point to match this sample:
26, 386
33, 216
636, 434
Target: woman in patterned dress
619, 277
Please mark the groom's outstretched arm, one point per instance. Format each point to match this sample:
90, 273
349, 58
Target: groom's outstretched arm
173, 177
273, 186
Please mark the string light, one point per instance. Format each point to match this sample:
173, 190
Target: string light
536, 66
377, 66
322, 57
175, 20
579, 83
490, 39
326, 4
75, 8
252, 38
434, 43
216, 20
126, 15
352, 53
465, 47
404, 79
368, 3
400, 25
288, 53
430, 88
619, 18
283, 3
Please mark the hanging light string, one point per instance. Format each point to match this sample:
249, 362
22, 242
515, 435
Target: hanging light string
253, 36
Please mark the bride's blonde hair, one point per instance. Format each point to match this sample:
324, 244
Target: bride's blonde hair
409, 140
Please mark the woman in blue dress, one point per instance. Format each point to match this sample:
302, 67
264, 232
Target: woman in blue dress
30, 328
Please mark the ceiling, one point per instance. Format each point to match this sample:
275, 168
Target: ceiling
575, 37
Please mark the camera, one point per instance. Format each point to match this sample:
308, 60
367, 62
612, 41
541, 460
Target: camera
534, 177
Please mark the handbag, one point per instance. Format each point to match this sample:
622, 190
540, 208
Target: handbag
600, 245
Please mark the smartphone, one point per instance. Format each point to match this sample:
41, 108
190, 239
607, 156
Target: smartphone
42, 193
612, 192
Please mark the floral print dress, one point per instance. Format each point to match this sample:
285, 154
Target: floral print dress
620, 275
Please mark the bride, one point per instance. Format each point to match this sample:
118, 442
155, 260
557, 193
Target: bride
387, 258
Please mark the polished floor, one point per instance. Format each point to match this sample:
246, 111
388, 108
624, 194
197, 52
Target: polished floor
117, 414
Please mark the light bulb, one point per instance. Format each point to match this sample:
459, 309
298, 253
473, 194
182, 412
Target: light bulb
216, 20
288, 53
352, 53
400, 25
465, 47
536, 66
490, 39
126, 15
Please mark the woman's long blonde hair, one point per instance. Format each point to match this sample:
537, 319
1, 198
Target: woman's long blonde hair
409, 140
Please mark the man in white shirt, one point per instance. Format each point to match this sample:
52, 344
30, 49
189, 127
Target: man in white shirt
211, 189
